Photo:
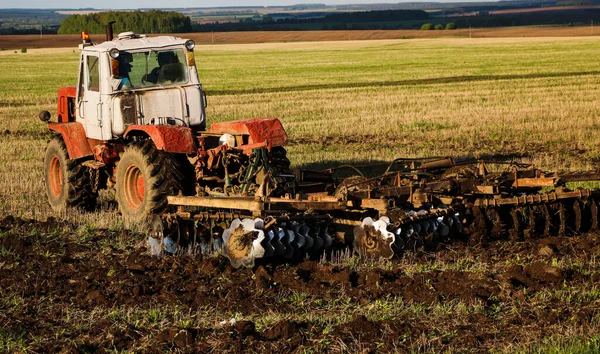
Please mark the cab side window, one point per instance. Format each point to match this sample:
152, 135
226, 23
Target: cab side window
93, 74
81, 82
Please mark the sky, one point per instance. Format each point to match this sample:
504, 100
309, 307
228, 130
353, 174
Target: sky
133, 4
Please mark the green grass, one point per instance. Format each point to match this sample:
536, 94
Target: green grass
558, 345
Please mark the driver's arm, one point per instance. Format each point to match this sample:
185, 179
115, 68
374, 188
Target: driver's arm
152, 76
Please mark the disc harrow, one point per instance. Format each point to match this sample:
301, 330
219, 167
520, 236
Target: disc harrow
247, 240
411, 204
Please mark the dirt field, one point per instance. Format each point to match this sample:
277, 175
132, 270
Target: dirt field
84, 282
59, 41
69, 295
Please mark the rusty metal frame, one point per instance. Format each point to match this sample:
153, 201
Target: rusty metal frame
261, 131
536, 182
535, 198
257, 205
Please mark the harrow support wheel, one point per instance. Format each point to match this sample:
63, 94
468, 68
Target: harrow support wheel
68, 182
145, 177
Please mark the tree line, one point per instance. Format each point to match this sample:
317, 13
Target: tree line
386, 19
153, 21
558, 17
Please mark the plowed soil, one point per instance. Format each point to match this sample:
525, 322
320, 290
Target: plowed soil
72, 40
95, 290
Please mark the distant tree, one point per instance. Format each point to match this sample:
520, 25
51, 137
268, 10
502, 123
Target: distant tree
439, 26
451, 26
426, 27
575, 3
153, 21
369, 16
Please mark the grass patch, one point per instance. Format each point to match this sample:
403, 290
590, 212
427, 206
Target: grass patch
560, 345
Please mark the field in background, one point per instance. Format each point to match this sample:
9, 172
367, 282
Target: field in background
535, 99
16, 42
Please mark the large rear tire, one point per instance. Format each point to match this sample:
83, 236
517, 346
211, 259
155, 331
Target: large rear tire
68, 182
145, 177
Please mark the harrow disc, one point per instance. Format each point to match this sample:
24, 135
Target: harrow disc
242, 242
372, 240
158, 243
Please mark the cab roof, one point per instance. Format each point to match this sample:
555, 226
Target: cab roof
135, 42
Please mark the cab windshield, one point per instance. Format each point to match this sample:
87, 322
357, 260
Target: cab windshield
152, 68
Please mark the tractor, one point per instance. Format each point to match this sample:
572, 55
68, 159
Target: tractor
136, 123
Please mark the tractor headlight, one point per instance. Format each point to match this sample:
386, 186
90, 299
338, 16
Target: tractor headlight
227, 139
114, 53
189, 45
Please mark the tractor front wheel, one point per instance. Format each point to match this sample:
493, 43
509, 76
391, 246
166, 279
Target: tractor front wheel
68, 182
144, 180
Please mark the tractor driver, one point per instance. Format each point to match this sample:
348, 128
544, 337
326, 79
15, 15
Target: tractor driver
124, 69
163, 58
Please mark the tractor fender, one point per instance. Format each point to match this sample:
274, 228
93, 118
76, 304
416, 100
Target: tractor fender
168, 138
268, 131
73, 134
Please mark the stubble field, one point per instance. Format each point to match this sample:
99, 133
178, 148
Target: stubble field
83, 282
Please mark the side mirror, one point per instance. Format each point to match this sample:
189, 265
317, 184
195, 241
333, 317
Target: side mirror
204, 99
44, 116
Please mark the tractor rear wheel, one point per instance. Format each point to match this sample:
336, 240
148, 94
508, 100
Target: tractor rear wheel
145, 177
68, 182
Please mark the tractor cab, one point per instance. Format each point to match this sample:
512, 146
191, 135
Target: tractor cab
136, 80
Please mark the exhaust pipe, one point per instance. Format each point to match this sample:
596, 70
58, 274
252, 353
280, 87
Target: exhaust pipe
109, 31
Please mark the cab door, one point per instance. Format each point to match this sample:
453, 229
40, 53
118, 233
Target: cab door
89, 103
